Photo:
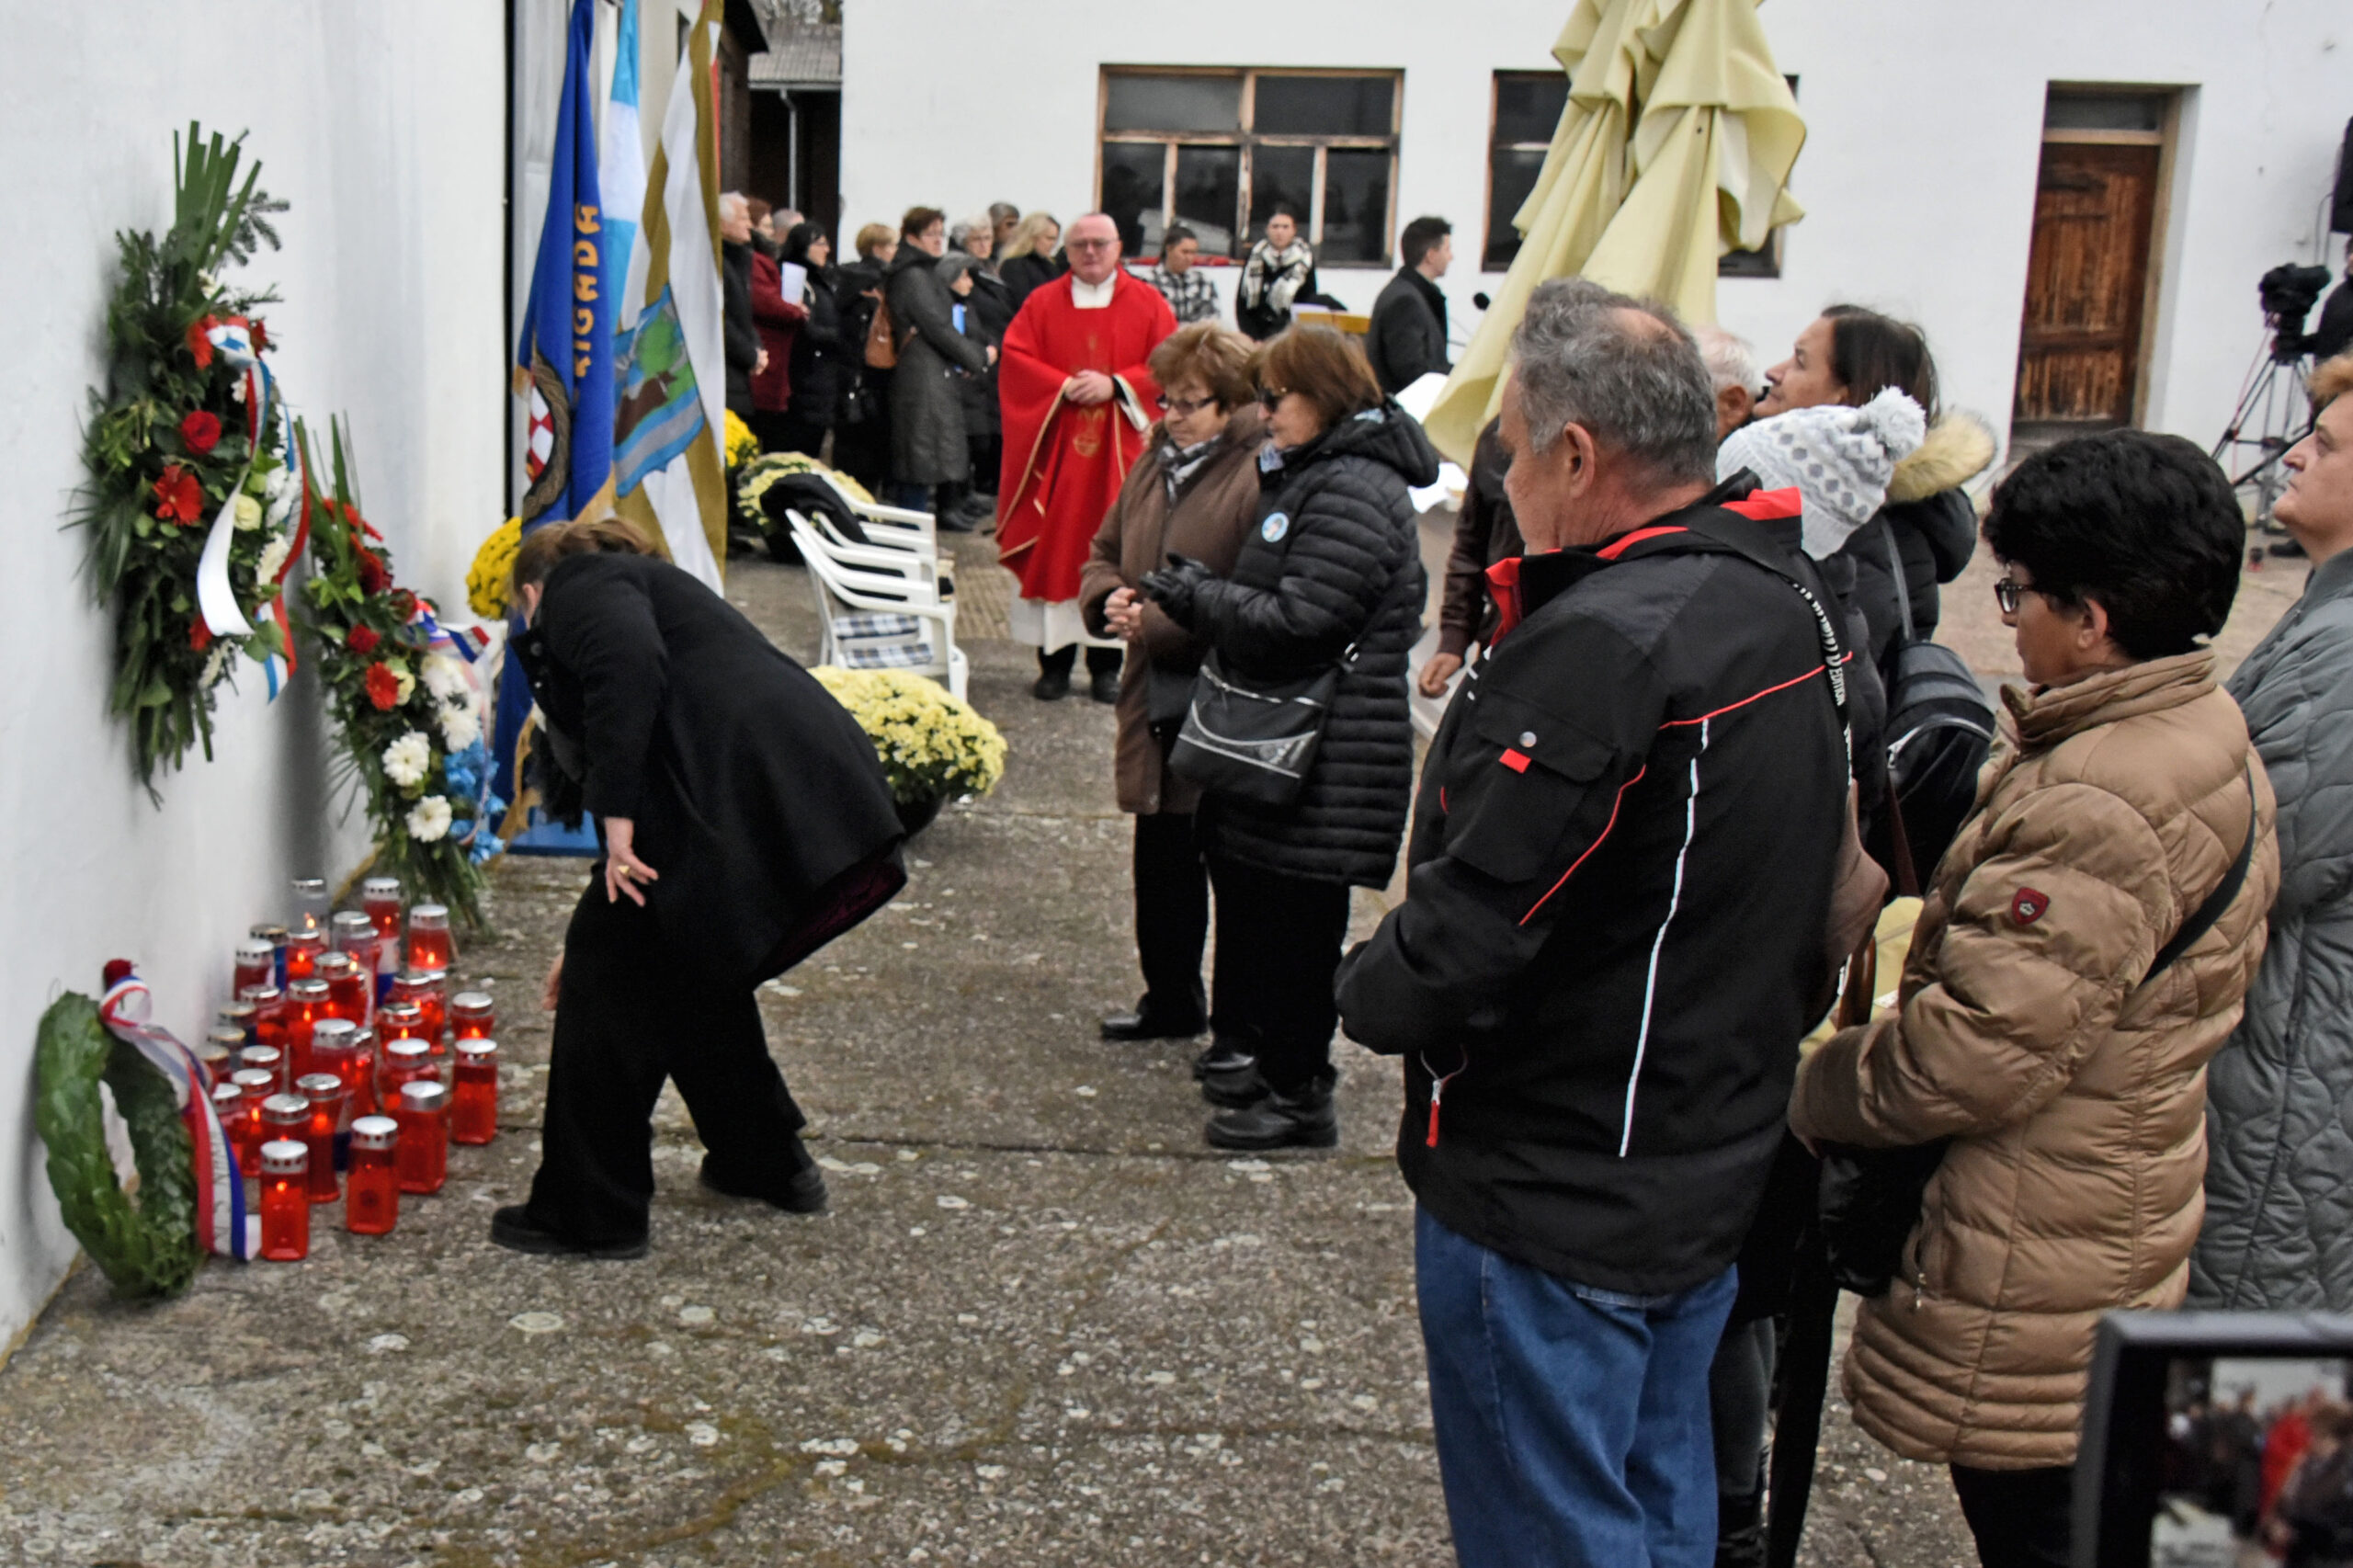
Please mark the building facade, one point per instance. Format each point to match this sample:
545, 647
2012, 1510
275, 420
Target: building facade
2076, 201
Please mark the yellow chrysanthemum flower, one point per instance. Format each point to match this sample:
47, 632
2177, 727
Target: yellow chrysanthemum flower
486, 579
742, 445
931, 744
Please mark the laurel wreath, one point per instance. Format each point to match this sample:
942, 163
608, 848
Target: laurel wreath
148, 1249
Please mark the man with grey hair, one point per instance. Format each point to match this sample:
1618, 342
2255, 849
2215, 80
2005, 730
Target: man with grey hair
740, 330
1731, 361
1613, 934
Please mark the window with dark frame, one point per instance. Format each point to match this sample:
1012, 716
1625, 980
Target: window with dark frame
1525, 117
1217, 149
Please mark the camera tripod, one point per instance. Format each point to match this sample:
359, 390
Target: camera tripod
2274, 413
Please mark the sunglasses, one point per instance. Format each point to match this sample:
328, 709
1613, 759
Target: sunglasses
1184, 408
1269, 396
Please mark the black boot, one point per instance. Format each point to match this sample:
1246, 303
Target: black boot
514, 1228
1740, 1531
1303, 1118
1148, 1022
803, 1194
1233, 1080
1223, 1056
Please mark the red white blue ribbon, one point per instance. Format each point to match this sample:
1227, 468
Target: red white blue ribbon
223, 1226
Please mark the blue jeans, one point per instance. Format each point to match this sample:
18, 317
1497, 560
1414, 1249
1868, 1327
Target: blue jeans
1572, 1423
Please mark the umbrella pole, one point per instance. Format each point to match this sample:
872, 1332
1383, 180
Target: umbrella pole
1805, 1361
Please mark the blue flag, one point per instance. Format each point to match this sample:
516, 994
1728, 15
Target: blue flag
564, 363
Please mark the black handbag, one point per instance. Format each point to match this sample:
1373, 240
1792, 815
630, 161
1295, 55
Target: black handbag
1254, 740
1871, 1200
1940, 731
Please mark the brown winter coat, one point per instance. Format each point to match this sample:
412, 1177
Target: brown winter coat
1208, 522
2074, 1100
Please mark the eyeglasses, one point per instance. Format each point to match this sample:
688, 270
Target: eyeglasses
2009, 593
1269, 396
1184, 408
1088, 244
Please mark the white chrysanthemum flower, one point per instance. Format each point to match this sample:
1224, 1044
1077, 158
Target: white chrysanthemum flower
445, 677
429, 820
248, 514
408, 759
407, 683
460, 726
273, 556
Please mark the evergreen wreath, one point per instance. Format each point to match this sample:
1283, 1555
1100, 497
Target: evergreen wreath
171, 441
149, 1249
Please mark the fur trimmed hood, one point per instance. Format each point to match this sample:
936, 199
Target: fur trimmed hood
1959, 446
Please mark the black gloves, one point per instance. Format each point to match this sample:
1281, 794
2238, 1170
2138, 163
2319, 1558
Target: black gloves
1175, 588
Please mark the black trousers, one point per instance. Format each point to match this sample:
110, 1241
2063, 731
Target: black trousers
795, 434
2022, 1518
1279, 946
1172, 918
1099, 661
629, 1014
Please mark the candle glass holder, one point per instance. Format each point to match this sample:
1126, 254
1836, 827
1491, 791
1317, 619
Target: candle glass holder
238, 1015
219, 1054
350, 989
310, 904
324, 1093
473, 1015
229, 1108
405, 1061
428, 938
270, 1014
423, 1156
256, 964
380, 898
371, 1203
334, 1046
302, 950
254, 1086
473, 1093
263, 1059
306, 1004
285, 1201
429, 989
276, 936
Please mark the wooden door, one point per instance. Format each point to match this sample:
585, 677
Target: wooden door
2079, 351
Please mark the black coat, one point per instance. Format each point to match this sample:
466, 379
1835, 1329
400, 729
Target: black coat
1407, 339
1935, 536
818, 356
755, 794
1613, 933
742, 331
1335, 559
926, 396
1024, 275
988, 311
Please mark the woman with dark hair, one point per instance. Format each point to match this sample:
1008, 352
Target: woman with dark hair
930, 463
746, 823
779, 321
817, 359
1849, 355
2085, 949
862, 422
1331, 575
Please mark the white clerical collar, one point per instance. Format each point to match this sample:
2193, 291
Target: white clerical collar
1092, 296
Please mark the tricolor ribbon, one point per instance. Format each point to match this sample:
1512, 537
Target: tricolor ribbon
223, 1226
278, 599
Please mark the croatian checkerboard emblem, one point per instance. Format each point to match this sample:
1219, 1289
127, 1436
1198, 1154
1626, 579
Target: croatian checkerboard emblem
2027, 905
1274, 528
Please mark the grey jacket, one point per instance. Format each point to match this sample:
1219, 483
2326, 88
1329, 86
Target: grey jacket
2279, 1226
926, 398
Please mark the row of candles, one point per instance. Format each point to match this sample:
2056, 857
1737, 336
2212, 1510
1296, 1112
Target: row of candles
330, 1059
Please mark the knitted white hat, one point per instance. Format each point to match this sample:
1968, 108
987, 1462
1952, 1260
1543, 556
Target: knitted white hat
1840, 459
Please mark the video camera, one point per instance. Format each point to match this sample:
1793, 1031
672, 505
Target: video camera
2288, 292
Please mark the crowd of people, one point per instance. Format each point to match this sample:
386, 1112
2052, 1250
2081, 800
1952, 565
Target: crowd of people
1685, 626
2281, 1475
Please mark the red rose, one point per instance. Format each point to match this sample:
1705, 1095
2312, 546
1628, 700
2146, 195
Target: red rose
362, 639
200, 431
178, 498
404, 605
383, 686
373, 578
200, 635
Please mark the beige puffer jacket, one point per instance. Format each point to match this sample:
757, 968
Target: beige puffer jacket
2074, 1099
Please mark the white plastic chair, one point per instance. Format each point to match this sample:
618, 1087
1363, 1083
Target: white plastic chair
880, 608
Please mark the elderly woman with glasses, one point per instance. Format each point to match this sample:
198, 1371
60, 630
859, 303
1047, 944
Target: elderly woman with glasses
1331, 575
1195, 494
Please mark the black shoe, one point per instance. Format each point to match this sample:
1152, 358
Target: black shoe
1144, 1023
514, 1228
1221, 1056
1740, 1531
1303, 1119
1052, 685
956, 522
980, 509
1235, 1085
1104, 686
804, 1194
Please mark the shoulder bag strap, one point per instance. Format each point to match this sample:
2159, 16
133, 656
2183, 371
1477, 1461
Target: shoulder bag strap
1903, 585
2201, 919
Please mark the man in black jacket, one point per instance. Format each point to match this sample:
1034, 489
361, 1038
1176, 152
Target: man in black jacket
1407, 340
1613, 936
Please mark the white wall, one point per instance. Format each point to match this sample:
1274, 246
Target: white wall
381, 125
1918, 176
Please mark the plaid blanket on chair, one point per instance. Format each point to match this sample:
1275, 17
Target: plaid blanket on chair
870, 640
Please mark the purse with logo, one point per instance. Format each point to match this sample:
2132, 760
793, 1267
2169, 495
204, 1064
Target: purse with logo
1255, 740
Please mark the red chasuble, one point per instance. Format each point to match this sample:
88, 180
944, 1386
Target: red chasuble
1064, 463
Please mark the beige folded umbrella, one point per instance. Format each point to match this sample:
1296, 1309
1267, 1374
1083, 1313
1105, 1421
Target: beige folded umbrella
1675, 148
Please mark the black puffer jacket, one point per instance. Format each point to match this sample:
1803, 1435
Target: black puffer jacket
1934, 527
1334, 561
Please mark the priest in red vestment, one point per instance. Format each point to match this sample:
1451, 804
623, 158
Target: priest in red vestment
1078, 402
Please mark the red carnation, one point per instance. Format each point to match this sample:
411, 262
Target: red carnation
198, 345
200, 635
383, 686
200, 431
373, 578
363, 641
178, 498
404, 605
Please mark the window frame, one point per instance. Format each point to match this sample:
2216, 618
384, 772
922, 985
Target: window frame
1247, 141
1494, 110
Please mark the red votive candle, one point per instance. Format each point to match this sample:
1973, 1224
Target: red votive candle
352, 932
380, 897
372, 1200
276, 936
254, 1086
239, 1015
229, 1108
285, 1203
283, 1118
324, 1093
428, 938
360, 1080
399, 1020
306, 1004
265, 1059
423, 1157
429, 989
473, 1093
473, 1015
269, 1004
257, 965
302, 950
350, 989
405, 1061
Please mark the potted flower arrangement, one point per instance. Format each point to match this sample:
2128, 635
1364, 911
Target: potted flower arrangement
405, 698
189, 485
933, 747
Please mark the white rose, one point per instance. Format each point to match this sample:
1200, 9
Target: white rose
429, 820
273, 556
445, 677
248, 514
460, 727
408, 759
